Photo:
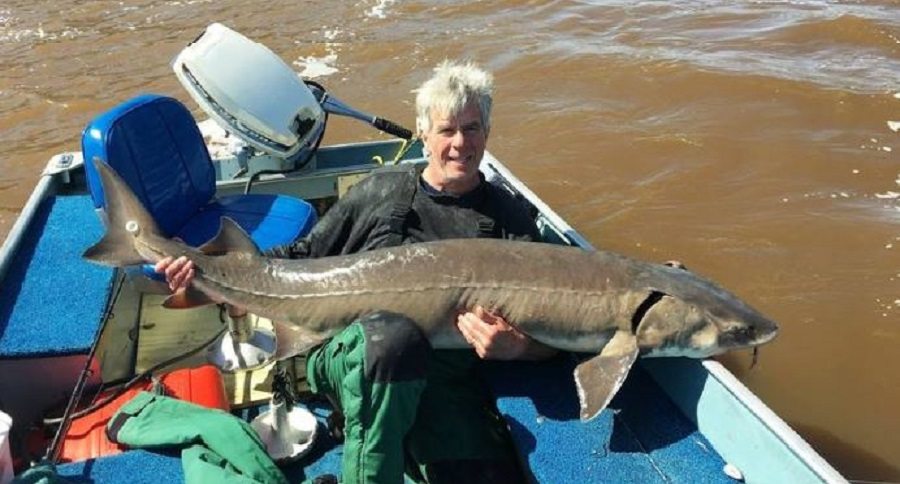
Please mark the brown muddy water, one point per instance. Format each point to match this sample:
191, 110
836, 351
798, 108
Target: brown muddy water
752, 140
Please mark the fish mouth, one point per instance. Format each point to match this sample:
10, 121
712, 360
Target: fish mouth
767, 337
766, 331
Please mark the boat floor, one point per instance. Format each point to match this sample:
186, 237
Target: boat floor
641, 437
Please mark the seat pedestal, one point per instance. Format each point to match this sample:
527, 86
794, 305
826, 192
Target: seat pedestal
242, 347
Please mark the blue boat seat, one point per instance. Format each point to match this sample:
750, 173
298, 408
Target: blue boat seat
154, 144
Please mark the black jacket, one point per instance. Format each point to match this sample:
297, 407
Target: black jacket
362, 219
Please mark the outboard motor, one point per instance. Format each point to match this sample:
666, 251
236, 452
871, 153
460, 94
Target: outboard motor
255, 95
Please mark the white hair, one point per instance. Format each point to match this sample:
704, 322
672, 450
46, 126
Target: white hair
450, 89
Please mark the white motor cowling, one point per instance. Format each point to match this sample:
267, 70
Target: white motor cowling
251, 92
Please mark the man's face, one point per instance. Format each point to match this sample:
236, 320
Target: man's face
455, 145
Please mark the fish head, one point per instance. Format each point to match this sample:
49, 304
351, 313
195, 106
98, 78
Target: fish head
691, 316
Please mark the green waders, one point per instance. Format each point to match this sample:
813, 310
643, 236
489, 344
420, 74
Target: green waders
376, 370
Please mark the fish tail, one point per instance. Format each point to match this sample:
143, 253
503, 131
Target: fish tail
126, 221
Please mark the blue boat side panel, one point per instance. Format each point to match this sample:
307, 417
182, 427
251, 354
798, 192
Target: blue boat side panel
52, 300
641, 437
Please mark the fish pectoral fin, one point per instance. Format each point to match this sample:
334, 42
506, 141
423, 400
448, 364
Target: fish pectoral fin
294, 340
187, 298
599, 378
230, 238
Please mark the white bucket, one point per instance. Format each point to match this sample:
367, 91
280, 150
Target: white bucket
6, 465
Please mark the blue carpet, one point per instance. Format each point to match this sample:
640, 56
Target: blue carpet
52, 300
640, 438
134, 467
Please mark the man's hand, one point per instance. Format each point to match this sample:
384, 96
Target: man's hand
494, 339
179, 272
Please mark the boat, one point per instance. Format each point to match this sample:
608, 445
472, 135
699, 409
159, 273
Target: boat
72, 333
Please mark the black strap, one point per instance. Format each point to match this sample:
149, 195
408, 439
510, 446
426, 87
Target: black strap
486, 227
487, 220
405, 195
114, 427
402, 206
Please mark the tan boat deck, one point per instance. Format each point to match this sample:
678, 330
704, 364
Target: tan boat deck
165, 333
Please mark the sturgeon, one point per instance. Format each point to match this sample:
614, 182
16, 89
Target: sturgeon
596, 302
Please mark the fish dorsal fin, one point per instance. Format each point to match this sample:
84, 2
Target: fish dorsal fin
599, 378
231, 238
188, 298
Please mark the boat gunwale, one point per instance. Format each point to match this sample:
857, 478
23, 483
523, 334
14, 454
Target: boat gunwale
46, 187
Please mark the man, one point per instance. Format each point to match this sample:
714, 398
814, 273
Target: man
407, 406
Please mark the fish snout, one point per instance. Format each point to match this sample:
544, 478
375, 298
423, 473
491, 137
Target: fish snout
744, 335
